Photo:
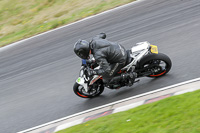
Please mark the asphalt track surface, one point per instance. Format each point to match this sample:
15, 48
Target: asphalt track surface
36, 76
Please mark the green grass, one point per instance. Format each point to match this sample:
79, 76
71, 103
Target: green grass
20, 19
177, 114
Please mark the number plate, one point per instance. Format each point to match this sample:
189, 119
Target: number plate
154, 49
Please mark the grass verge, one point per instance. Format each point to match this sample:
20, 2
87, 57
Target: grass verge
177, 114
20, 19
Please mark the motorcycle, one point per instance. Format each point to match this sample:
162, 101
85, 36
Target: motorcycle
143, 60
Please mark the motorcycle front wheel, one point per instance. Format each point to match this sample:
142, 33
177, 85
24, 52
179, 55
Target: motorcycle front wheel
93, 91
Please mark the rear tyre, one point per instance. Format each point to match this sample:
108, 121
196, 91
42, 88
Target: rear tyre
93, 91
156, 64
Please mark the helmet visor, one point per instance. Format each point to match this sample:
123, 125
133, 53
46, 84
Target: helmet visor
82, 55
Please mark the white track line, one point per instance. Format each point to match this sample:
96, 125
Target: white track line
113, 103
105, 12
185, 91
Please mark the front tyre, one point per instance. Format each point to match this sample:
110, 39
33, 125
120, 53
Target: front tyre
156, 65
94, 91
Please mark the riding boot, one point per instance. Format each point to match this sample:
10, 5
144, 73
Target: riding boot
131, 79
115, 79
124, 77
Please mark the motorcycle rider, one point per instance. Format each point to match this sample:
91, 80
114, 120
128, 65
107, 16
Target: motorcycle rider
110, 56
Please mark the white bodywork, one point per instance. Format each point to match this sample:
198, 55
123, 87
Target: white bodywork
140, 46
81, 81
137, 52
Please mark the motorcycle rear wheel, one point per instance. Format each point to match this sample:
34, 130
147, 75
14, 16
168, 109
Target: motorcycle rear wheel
94, 92
157, 64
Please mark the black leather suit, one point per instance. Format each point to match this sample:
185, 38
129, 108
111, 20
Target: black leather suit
111, 56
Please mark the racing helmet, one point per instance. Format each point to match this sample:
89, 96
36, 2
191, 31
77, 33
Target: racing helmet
82, 49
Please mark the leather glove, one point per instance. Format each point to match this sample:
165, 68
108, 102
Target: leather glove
90, 61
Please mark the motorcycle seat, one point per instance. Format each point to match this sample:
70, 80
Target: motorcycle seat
129, 59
